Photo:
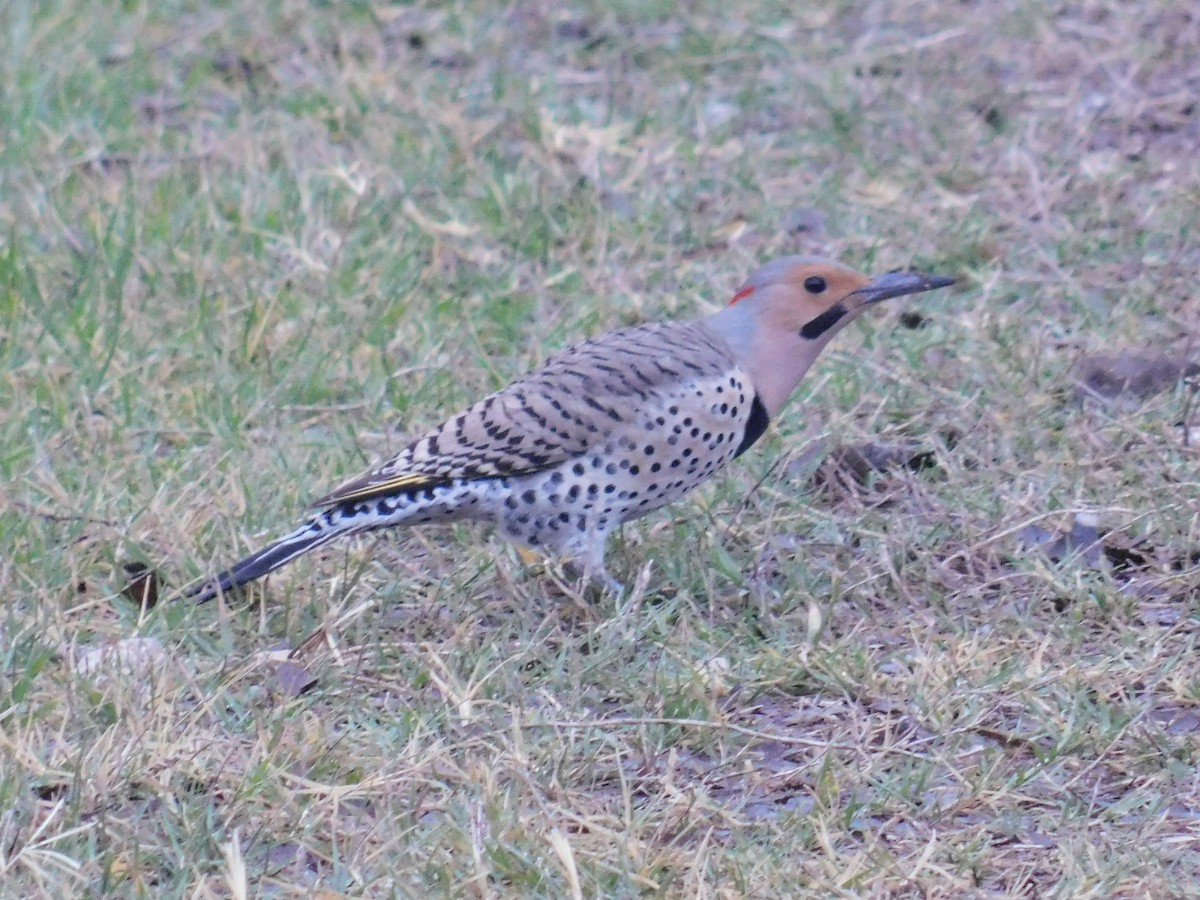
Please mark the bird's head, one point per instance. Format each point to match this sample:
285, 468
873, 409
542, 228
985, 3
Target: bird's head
816, 298
788, 310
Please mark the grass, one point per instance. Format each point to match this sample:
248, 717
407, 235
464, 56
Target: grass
247, 249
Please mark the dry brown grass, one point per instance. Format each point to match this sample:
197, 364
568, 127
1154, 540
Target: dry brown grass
245, 250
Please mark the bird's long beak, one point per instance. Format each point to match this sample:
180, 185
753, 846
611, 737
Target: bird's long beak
897, 284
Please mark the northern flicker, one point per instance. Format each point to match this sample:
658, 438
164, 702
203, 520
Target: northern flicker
606, 430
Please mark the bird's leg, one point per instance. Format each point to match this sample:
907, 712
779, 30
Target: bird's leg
583, 565
592, 562
602, 579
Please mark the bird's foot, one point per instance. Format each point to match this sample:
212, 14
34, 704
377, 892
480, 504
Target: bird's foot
591, 582
582, 578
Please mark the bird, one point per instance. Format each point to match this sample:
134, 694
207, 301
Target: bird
606, 430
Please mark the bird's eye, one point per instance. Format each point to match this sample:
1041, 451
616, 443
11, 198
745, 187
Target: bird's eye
814, 284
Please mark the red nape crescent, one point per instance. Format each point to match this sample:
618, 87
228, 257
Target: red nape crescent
741, 295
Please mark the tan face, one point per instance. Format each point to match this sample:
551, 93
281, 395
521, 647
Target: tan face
805, 293
815, 298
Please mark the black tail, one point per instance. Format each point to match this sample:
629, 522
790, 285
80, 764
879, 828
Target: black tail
310, 535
